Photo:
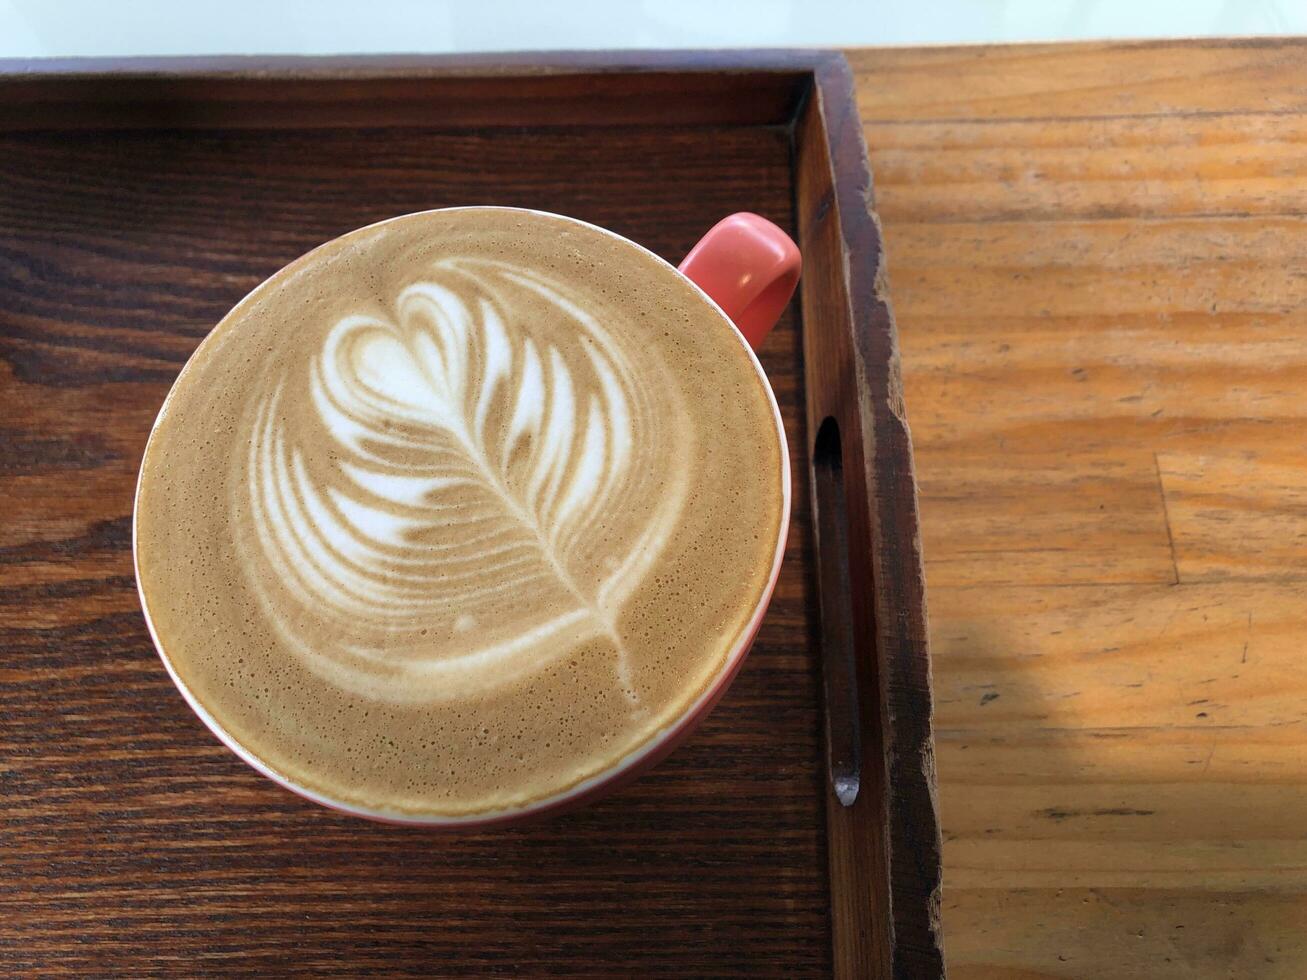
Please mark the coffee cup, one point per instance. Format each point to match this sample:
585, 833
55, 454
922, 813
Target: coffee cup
471, 515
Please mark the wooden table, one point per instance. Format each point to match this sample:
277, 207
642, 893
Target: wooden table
1098, 258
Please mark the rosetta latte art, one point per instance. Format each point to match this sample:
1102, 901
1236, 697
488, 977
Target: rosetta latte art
491, 496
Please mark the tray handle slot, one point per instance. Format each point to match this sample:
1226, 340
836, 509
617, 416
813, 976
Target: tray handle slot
839, 671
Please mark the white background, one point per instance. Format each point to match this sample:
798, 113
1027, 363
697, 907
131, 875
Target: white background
60, 28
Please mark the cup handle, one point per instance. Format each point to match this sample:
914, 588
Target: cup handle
749, 268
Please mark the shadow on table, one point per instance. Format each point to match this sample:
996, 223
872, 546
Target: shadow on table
1069, 847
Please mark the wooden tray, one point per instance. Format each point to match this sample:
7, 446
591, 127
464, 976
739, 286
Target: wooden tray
138, 201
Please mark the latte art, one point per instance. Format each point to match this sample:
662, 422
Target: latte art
456, 453
459, 511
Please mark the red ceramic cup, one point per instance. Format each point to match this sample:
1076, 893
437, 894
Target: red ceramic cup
747, 268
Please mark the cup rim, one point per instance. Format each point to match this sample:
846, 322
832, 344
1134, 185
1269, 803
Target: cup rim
629, 765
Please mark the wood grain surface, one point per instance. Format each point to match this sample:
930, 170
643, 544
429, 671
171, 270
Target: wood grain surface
1096, 254
131, 842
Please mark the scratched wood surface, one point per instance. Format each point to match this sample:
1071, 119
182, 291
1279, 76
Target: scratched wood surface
131, 842
1096, 254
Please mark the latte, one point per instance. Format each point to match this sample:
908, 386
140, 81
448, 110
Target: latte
458, 511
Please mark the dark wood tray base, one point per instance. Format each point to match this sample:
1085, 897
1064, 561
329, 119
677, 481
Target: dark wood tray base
138, 203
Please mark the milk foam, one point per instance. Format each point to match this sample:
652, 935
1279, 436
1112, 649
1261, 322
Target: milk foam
458, 510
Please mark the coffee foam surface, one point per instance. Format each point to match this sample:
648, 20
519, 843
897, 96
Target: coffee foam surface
458, 510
